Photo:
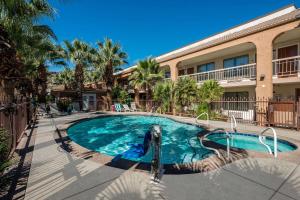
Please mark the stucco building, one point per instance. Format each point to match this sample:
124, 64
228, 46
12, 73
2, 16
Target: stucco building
260, 58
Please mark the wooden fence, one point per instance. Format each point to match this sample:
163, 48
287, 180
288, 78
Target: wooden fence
14, 118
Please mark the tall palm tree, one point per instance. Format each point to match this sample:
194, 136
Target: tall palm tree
81, 54
111, 57
18, 23
66, 78
146, 75
46, 53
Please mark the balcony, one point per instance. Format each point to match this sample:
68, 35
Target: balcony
233, 74
286, 67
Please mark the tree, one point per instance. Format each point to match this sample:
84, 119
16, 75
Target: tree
164, 94
210, 91
110, 56
42, 53
146, 75
66, 78
19, 23
186, 91
81, 54
93, 75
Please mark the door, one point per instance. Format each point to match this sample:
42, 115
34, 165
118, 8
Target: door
289, 66
89, 101
297, 94
85, 102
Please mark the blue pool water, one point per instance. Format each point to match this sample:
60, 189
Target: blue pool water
251, 142
123, 136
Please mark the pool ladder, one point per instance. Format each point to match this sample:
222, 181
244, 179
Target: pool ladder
228, 136
207, 118
261, 137
233, 124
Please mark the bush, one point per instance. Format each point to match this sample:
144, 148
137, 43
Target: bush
186, 91
63, 104
4, 148
124, 97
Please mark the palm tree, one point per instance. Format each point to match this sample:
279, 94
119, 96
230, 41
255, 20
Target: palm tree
18, 24
186, 91
146, 75
210, 91
164, 94
42, 53
111, 57
81, 54
66, 78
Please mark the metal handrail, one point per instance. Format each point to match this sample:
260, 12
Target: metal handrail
207, 118
288, 58
213, 149
267, 146
233, 124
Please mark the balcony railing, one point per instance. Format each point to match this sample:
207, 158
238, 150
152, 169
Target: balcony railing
286, 67
230, 74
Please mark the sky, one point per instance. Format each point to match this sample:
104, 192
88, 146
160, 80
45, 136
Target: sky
152, 27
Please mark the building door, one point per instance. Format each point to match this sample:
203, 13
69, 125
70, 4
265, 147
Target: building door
289, 66
89, 101
297, 94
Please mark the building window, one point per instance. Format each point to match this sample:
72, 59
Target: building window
236, 101
190, 70
236, 95
167, 74
236, 61
181, 72
206, 67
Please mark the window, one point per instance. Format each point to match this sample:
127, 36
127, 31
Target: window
190, 70
181, 72
206, 67
236, 95
236, 61
167, 74
236, 101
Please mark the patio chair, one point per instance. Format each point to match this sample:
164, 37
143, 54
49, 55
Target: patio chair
126, 108
133, 107
118, 107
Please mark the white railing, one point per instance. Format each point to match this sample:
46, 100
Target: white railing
227, 136
230, 74
233, 124
261, 138
207, 118
286, 66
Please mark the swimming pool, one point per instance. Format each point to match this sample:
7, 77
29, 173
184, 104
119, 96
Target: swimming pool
251, 142
121, 136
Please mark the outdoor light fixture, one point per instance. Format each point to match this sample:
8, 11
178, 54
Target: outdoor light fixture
262, 77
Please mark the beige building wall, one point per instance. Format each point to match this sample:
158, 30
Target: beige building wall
285, 90
219, 60
250, 90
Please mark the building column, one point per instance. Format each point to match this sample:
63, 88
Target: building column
264, 71
137, 97
173, 70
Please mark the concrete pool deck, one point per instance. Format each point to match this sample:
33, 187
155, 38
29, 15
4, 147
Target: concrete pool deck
57, 174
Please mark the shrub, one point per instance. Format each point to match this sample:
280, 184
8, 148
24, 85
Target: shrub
4, 148
63, 104
124, 97
186, 91
164, 95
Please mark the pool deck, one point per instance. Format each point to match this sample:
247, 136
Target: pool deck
57, 174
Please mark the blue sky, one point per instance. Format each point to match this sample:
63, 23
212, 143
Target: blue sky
153, 27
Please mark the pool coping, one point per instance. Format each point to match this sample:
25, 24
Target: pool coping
211, 163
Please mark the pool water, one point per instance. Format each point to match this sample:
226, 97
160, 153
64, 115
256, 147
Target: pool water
123, 137
251, 142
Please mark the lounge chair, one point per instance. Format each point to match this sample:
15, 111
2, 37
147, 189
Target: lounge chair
126, 108
118, 107
133, 106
